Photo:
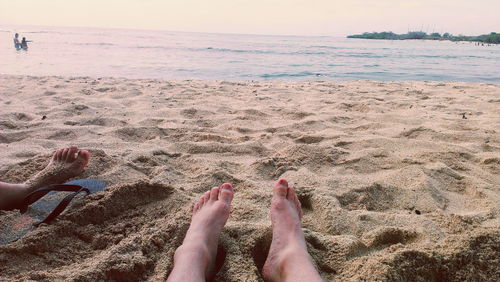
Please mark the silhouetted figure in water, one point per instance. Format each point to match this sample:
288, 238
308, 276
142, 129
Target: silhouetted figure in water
17, 44
24, 43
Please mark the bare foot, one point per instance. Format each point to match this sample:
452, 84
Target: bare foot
66, 163
194, 260
288, 259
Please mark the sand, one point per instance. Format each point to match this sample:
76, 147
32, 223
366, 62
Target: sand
398, 180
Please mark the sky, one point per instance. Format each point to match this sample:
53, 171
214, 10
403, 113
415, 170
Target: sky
287, 17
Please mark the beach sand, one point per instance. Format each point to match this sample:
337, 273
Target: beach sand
398, 180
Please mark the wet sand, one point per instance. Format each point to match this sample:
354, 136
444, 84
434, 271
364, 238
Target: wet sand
398, 180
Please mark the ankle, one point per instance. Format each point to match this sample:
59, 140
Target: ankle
191, 259
195, 253
34, 183
293, 255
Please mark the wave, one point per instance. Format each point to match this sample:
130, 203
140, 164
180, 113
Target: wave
375, 56
368, 55
153, 47
308, 53
96, 44
235, 50
255, 51
450, 57
45, 32
361, 55
30, 32
283, 75
326, 47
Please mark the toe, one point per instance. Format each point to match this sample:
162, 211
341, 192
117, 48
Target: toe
57, 155
280, 188
226, 192
72, 154
214, 194
83, 157
291, 195
206, 196
64, 154
196, 206
298, 204
201, 201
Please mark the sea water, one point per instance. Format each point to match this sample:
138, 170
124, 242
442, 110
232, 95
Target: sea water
97, 52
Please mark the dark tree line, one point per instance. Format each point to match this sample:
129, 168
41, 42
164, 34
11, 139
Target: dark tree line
485, 38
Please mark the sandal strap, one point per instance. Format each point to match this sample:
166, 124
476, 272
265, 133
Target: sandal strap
40, 192
62, 205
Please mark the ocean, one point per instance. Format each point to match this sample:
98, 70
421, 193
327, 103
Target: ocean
170, 55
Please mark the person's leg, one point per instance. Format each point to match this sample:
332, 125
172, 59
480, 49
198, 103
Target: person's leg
11, 194
66, 163
288, 259
194, 259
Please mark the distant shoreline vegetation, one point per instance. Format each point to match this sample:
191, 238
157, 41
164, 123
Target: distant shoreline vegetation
492, 38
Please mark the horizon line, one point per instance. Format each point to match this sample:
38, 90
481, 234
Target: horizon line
169, 30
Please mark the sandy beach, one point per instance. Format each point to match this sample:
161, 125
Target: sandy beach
398, 180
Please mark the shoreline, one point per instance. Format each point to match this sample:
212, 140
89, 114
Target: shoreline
77, 77
394, 181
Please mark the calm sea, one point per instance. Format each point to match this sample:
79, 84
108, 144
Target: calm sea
180, 55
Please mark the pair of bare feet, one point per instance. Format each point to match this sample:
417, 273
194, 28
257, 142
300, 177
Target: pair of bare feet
288, 259
65, 163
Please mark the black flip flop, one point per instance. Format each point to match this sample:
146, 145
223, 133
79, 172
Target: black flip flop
43, 206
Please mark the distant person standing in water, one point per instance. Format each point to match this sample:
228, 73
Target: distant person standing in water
24, 43
17, 44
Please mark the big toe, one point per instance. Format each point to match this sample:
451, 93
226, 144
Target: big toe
280, 188
226, 191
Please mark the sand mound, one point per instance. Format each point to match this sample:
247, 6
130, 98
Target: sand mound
398, 181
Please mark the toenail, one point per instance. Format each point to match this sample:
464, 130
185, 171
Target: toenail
283, 182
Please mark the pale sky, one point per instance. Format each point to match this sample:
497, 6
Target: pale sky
300, 17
